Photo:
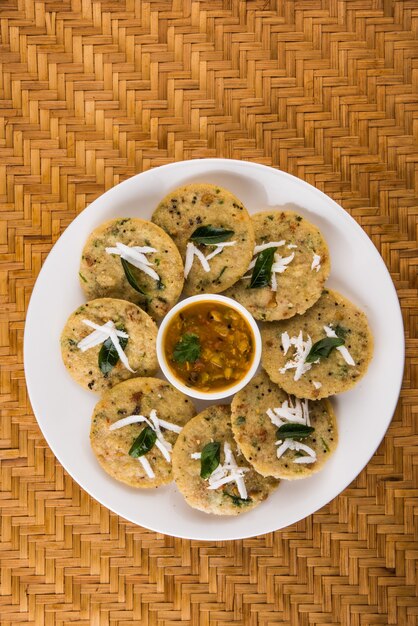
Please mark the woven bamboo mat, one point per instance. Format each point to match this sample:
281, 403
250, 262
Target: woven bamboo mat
93, 92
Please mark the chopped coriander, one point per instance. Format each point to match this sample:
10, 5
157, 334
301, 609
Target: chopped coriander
187, 349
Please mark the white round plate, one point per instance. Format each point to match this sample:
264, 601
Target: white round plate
63, 409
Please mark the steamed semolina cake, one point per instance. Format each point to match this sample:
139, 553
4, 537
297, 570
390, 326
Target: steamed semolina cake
210, 470
323, 352
293, 276
280, 435
134, 427
212, 230
99, 366
135, 260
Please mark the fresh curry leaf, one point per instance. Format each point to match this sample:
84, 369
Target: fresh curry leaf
108, 356
210, 234
210, 458
187, 349
130, 277
294, 431
262, 269
323, 348
143, 443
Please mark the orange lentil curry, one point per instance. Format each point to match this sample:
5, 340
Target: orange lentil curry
209, 346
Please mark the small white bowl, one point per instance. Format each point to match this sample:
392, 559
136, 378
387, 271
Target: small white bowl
195, 393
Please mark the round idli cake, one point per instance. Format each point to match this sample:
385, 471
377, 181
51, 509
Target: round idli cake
90, 355
132, 259
212, 230
280, 435
290, 266
210, 470
134, 427
323, 352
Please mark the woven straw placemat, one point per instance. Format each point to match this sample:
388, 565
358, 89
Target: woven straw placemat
93, 92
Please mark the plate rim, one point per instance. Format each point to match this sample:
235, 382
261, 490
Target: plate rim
397, 385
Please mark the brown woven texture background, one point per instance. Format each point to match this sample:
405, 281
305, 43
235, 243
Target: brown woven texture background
93, 92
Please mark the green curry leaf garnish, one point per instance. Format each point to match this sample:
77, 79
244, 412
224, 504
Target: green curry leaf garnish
108, 355
143, 443
262, 269
130, 277
294, 431
207, 235
210, 458
323, 348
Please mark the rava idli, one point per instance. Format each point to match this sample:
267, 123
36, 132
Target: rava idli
325, 351
212, 230
280, 435
106, 341
134, 427
290, 266
210, 470
132, 259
